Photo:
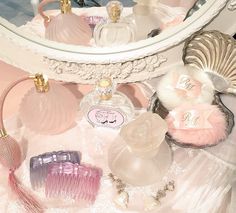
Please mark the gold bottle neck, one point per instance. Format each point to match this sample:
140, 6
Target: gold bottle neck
65, 6
3, 133
105, 97
41, 83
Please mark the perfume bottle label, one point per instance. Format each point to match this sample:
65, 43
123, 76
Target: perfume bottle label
192, 119
105, 117
190, 86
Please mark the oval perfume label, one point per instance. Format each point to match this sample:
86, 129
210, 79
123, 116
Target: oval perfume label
105, 117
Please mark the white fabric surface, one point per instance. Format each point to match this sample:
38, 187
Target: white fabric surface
203, 177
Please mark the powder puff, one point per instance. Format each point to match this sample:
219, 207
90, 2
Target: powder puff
185, 84
199, 125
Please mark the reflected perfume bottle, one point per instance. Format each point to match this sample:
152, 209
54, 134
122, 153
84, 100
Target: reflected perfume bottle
66, 27
105, 107
115, 31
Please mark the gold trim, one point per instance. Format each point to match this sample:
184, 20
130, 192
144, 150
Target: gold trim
105, 97
41, 83
3, 133
65, 6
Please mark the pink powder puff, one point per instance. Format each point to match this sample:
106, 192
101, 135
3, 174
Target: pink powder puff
209, 129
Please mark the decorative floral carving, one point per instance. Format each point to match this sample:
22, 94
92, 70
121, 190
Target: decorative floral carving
232, 5
131, 70
76, 72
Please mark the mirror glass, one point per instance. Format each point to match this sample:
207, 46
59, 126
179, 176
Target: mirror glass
136, 20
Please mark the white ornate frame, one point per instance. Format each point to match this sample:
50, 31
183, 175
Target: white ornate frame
134, 62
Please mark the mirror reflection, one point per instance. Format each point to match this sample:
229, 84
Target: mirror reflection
99, 23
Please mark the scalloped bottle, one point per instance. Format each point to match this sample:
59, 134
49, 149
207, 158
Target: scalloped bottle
66, 27
48, 110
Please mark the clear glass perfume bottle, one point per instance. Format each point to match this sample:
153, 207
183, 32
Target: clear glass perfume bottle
145, 18
105, 107
115, 31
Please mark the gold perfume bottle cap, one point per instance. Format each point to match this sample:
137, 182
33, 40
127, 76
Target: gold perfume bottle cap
3, 133
41, 83
65, 6
114, 9
104, 88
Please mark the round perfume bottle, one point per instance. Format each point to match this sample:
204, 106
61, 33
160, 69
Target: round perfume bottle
48, 109
115, 31
144, 20
66, 27
105, 107
141, 149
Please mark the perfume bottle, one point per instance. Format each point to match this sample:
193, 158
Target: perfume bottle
66, 27
43, 112
105, 107
146, 17
115, 31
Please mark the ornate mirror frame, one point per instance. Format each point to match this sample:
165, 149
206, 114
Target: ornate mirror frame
137, 61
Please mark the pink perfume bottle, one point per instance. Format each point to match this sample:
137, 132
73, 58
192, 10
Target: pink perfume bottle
48, 109
66, 27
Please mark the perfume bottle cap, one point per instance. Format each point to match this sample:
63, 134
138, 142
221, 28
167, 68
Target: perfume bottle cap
104, 88
114, 9
65, 6
41, 83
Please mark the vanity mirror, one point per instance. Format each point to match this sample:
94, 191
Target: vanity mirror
143, 59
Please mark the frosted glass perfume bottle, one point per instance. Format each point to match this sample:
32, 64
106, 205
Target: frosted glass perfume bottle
145, 17
115, 31
43, 112
66, 27
105, 107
